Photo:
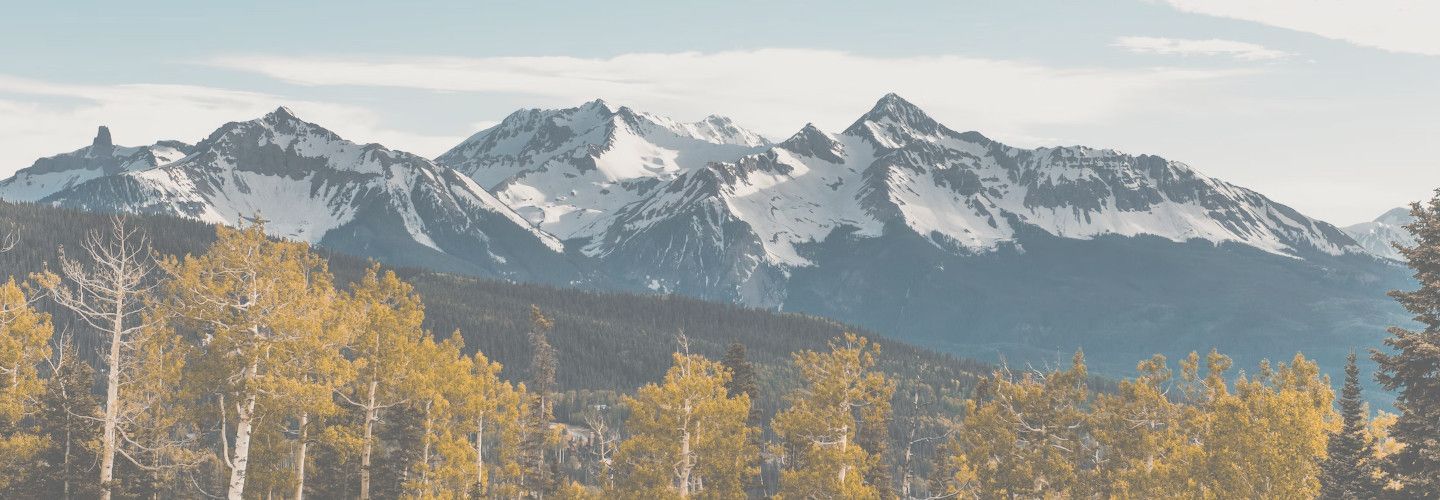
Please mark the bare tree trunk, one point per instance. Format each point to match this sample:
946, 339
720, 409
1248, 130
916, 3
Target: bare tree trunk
112, 399
686, 464
369, 446
244, 418
300, 456
65, 489
104, 293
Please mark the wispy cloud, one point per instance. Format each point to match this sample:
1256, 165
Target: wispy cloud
42, 118
774, 90
1189, 47
1394, 25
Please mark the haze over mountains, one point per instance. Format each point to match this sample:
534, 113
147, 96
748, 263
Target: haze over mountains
897, 223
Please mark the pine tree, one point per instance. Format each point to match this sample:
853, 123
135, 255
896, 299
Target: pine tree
24, 344
1349, 468
257, 309
69, 419
841, 393
539, 439
742, 378
1410, 365
688, 436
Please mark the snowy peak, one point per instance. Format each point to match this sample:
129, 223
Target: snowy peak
101, 158
894, 121
568, 171
813, 142
1380, 236
312, 185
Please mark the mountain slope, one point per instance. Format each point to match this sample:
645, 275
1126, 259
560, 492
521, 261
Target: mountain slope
311, 185
736, 229
566, 170
101, 158
1380, 235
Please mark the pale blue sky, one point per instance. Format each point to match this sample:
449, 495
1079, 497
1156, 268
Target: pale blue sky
1327, 105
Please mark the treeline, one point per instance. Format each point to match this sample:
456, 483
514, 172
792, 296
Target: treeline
611, 343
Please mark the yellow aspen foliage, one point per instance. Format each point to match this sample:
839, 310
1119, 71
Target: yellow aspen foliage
840, 389
385, 352
1266, 437
1145, 451
1025, 439
488, 406
24, 343
688, 436
258, 311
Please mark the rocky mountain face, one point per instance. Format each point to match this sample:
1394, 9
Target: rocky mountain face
311, 185
567, 170
1380, 235
101, 158
735, 230
897, 223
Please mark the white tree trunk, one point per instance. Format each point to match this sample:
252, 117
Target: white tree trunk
300, 456
480, 453
686, 464
112, 399
368, 447
244, 418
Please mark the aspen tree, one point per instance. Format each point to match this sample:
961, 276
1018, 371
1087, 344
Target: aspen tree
688, 436
24, 343
840, 391
257, 307
385, 350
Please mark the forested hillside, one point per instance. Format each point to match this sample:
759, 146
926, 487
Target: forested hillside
612, 342
233, 362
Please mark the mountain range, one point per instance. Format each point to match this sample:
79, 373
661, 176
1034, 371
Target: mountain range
898, 223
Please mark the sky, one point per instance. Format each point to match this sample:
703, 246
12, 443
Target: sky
1325, 105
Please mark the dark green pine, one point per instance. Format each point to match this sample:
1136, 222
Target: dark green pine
1411, 365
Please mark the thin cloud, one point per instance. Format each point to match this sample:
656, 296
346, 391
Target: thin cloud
41, 118
1189, 47
773, 90
1406, 26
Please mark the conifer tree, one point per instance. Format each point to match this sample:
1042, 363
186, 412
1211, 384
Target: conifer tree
69, 420
1349, 468
742, 378
1409, 366
840, 392
24, 344
688, 436
538, 439
256, 307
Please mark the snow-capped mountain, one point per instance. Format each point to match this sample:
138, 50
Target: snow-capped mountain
736, 229
567, 170
897, 223
1380, 235
311, 185
101, 158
